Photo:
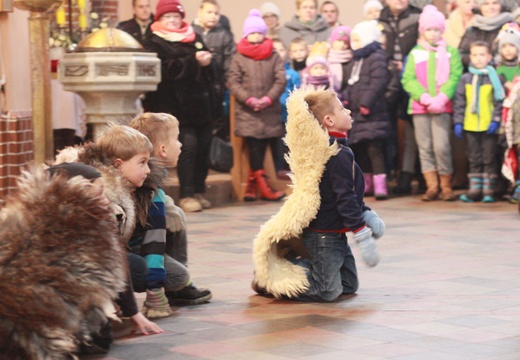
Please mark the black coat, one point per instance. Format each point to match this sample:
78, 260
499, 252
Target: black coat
407, 31
133, 28
369, 92
185, 90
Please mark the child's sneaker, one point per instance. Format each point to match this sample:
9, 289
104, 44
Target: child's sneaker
189, 295
515, 198
156, 305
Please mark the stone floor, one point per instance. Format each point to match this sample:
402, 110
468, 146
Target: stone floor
447, 287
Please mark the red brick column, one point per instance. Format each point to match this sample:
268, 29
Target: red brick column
16, 148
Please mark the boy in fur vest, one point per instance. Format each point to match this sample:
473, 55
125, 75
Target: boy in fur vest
163, 131
121, 154
327, 202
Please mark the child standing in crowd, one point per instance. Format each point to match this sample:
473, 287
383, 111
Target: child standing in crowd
372, 9
166, 221
339, 54
431, 74
365, 80
317, 72
327, 199
257, 80
508, 52
477, 114
298, 52
293, 81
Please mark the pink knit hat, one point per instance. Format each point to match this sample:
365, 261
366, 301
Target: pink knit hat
254, 23
340, 33
431, 18
168, 6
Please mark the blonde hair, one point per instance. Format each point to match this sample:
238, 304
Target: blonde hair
155, 126
297, 41
299, 3
212, 2
321, 103
123, 142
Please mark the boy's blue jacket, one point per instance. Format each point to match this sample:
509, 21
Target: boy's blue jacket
342, 188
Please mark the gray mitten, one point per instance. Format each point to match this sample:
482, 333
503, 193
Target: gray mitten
374, 222
367, 246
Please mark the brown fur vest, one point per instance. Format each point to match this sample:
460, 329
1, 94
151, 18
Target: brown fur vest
61, 265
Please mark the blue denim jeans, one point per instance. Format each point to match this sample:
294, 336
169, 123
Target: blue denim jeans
332, 268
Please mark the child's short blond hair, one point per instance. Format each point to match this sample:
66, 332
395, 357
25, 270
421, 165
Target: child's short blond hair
299, 3
123, 142
155, 126
212, 2
297, 41
321, 103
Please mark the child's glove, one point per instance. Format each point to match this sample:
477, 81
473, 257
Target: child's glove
425, 99
253, 103
438, 104
264, 102
364, 110
367, 246
374, 222
457, 129
493, 127
156, 304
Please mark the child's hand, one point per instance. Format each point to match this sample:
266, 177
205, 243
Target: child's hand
438, 104
374, 222
264, 102
253, 103
426, 99
367, 246
457, 129
493, 127
508, 85
143, 324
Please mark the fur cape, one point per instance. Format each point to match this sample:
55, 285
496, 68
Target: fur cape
117, 189
61, 265
310, 150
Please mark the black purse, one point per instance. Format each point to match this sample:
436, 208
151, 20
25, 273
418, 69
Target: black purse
220, 156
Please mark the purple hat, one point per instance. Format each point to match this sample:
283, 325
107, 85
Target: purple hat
254, 23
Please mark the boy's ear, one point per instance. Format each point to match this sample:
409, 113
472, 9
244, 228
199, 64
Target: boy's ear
161, 150
327, 121
117, 163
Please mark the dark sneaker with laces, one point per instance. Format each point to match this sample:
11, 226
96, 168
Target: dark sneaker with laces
190, 295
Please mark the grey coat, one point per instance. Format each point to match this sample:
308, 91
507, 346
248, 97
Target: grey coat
294, 28
257, 78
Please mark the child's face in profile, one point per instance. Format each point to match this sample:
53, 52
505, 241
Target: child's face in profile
171, 150
479, 56
373, 13
355, 42
135, 169
340, 45
432, 35
255, 38
298, 52
509, 52
280, 49
318, 70
209, 15
340, 118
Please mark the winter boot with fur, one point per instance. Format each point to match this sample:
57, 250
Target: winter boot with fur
266, 191
250, 194
488, 187
432, 186
446, 191
369, 184
380, 189
475, 188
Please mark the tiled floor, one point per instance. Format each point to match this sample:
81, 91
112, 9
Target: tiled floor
447, 287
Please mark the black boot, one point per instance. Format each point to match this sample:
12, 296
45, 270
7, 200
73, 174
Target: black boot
404, 185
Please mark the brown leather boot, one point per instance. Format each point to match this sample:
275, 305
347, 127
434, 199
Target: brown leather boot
266, 191
446, 191
432, 186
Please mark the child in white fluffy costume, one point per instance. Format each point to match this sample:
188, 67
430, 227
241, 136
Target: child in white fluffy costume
302, 251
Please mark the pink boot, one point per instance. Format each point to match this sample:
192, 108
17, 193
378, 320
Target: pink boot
369, 184
380, 189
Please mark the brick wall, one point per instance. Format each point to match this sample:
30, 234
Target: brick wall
16, 148
106, 8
